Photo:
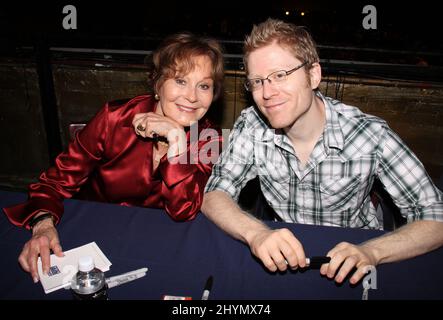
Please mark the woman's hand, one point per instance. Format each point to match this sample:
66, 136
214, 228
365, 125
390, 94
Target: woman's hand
151, 125
44, 239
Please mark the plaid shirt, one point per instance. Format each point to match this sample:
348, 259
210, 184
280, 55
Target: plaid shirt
334, 187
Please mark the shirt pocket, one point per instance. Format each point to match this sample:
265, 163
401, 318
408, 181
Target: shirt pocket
340, 194
275, 181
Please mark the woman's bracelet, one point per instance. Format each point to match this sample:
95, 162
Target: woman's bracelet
36, 220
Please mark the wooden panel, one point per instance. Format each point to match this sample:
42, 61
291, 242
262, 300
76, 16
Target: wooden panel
415, 113
82, 91
24, 148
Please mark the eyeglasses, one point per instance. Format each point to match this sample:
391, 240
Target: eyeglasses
276, 77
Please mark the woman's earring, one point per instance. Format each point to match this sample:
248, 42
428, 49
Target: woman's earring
156, 97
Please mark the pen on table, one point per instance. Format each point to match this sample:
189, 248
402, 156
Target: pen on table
126, 277
128, 273
207, 289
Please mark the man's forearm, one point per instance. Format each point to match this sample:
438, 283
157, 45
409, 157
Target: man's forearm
225, 213
406, 242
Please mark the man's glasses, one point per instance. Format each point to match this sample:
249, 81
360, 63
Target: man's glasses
275, 77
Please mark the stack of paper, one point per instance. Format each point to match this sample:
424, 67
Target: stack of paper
64, 268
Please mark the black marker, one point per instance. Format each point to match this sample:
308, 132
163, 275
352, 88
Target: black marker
207, 290
316, 262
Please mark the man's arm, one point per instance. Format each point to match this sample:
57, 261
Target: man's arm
273, 247
405, 179
409, 241
219, 207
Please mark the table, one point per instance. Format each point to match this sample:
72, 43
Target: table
182, 255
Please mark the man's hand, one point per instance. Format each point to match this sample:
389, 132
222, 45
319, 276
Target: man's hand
44, 239
278, 249
344, 258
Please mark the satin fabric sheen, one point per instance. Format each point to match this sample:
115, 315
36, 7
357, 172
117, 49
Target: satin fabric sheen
108, 162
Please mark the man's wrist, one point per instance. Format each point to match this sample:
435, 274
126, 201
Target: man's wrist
253, 230
372, 251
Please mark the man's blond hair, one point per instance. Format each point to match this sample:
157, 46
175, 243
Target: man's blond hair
295, 38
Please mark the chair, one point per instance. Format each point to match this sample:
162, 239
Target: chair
263, 210
74, 128
440, 183
252, 200
392, 218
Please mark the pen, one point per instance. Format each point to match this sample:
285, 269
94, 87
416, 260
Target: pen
207, 289
118, 280
315, 262
128, 274
126, 277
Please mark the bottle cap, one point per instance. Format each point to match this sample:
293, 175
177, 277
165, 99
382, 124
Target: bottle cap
85, 264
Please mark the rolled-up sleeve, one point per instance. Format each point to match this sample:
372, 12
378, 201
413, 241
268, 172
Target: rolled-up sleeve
407, 181
235, 166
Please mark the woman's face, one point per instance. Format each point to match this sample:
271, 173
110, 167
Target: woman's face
186, 98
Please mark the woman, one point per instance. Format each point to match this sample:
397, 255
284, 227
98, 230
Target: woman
136, 152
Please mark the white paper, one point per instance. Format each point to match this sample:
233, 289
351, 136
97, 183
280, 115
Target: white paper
62, 269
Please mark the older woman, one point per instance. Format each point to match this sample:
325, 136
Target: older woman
137, 152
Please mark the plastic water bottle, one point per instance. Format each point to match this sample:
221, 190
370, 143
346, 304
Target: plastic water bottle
89, 283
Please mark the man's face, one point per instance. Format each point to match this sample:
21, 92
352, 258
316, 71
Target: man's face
285, 102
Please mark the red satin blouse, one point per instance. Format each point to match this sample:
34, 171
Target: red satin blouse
108, 162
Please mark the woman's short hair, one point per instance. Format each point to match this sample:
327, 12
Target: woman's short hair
175, 56
295, 38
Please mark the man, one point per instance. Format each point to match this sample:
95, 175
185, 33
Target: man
316, 159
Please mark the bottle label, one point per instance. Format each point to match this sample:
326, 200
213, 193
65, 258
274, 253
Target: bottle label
101, 294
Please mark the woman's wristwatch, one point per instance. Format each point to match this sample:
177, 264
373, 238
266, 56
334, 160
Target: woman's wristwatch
41, 217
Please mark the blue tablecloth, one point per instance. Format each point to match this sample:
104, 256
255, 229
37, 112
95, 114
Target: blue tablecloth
181, 256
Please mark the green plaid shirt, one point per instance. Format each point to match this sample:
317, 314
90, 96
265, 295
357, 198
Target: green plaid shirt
333, 188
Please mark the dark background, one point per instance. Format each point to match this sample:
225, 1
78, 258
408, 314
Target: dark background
130, 24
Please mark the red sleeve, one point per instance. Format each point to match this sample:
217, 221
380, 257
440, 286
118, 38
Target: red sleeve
64, 179
184, 179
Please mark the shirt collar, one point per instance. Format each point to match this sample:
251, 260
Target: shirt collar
258, 127
263, 133
333, 134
